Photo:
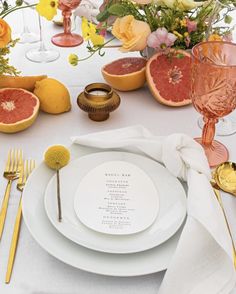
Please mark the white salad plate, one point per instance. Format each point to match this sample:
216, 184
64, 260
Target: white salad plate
171, 214
123, 265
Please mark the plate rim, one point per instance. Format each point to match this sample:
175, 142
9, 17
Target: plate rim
109, 250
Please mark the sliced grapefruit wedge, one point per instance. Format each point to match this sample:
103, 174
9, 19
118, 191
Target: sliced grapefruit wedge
18, 109
125, 74
169, 77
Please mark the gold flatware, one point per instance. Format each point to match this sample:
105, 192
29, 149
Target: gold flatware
11, 173
216, 189
226, 177
27, 168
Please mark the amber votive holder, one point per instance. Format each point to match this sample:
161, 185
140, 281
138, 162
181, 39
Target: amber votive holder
98, 100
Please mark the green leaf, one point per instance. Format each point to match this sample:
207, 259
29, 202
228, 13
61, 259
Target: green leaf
103, 16
117, 9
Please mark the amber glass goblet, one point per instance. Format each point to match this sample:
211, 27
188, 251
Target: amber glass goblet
213, 92
67, 39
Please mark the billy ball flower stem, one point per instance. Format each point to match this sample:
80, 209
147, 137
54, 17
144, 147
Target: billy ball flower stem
56, 157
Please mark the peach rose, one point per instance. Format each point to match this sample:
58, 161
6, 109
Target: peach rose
5, 33
131, 32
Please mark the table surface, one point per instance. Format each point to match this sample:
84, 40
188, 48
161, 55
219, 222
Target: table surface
137, 107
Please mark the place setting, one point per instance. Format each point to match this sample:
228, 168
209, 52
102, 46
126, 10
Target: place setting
125, 191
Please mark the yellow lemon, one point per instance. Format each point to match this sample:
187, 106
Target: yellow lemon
57, 156
53, 95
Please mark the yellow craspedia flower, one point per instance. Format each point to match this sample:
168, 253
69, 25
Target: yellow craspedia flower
73, 59
5, 33
47, 8
56, 157
215, 37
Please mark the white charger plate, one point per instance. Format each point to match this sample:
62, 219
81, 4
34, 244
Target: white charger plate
122, 265
172, 201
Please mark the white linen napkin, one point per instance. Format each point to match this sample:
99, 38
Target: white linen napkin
203, 261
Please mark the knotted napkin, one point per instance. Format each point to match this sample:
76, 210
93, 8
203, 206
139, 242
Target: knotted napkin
203, 261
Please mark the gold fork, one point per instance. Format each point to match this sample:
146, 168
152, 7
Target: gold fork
11, 173
27, 168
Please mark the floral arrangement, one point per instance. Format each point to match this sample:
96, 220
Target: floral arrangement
159, 24
6, 42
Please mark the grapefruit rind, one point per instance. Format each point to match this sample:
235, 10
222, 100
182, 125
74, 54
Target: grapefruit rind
22, 124
21, 82
152, 86
126, 82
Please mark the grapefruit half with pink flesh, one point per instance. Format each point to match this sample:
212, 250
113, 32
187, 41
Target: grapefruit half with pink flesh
125, 74
18, 109
169, 77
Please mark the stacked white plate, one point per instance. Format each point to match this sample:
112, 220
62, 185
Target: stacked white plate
141, 246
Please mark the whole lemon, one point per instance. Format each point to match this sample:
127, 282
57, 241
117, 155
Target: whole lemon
53, 95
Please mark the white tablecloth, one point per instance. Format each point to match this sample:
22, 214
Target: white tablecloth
136, 107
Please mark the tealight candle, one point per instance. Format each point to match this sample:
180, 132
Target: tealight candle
98, 99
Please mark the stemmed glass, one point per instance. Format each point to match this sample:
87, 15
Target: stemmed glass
213, 91
221, 14
42, 54
27, 36
67, 39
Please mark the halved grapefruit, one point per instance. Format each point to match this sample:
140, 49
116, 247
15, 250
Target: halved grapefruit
169, 77
125, 74
18, 109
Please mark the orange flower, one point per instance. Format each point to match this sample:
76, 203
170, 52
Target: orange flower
215, 37
5, 33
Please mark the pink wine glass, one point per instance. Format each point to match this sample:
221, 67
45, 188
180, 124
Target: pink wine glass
67, 39
213, 92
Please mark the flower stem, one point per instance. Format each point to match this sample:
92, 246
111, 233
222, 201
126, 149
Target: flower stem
97, 49
17, 8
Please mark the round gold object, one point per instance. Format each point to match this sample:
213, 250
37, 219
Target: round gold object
226, 177
98, 100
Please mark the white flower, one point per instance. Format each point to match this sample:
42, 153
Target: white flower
88, 9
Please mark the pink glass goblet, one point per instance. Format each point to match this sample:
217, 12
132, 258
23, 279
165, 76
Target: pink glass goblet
67, 39
213, 92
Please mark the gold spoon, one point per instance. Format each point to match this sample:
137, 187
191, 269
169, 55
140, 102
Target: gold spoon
225, 177
216, 189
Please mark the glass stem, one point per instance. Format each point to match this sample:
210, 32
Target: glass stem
42, 45
208, 132
25, 27
67, 21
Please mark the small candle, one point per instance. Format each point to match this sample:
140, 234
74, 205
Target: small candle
97, 92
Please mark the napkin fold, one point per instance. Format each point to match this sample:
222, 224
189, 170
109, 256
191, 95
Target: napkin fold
203, 261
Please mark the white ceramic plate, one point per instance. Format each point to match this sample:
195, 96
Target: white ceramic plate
172, 201
125, 265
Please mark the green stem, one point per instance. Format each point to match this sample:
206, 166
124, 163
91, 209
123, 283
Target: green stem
17, 8
96, 50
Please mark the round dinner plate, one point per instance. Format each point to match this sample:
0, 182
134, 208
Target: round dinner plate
171, 214
124, 265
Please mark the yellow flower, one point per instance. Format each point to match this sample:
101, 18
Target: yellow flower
215, 37
131, 32
183, 22
47, 8
89, 32
73, 59
181, 4
5, 33
177, 34
57, 156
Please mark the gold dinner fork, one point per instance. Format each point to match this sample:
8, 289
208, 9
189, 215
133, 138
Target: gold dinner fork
27, 168
11, 173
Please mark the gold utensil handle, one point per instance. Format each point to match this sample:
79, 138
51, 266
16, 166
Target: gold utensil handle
4, 207
14, 242
218, 196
